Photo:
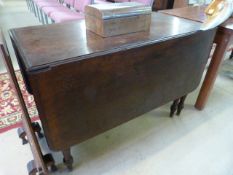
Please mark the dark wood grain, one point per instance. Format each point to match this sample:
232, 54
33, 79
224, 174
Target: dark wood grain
84, 98
84, 84
45, 46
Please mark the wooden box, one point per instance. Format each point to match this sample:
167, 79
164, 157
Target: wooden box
117, 18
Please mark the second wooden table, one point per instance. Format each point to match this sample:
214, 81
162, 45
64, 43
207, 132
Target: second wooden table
223, 39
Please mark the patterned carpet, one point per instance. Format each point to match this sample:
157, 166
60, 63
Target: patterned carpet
10, 112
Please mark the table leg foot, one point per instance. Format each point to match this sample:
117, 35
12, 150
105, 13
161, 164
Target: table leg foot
68, 159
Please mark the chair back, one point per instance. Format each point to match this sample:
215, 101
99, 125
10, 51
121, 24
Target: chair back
80, 4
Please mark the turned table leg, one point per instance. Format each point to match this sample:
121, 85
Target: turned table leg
174, 107
177, 106
181, 105
68, 159
37, 129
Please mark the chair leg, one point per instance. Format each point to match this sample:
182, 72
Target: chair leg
49, 162
34, 8
174, 107
36, 128
22, 135
41, 16
68, 159
31, 167
27, 1
46, 19
181, 105
38, 13
30, 5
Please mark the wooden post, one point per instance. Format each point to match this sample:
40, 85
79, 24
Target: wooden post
34, 144
222, 40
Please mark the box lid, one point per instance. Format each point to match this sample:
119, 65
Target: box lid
117, 10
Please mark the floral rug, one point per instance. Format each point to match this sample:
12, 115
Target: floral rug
10, 112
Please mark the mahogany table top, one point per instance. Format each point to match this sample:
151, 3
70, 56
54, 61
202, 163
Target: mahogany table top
45, 46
